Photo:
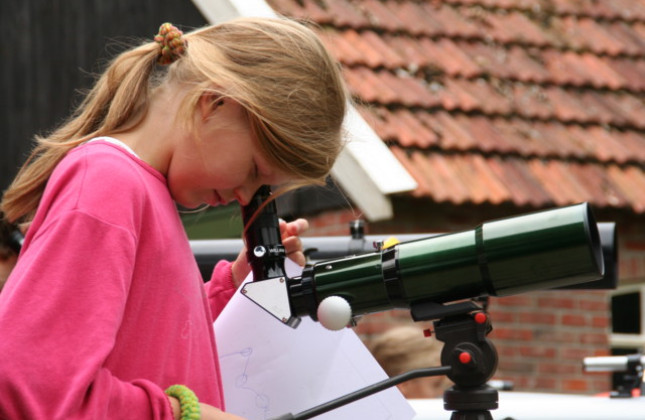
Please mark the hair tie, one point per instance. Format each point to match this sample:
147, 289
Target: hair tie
172, 42
188, 402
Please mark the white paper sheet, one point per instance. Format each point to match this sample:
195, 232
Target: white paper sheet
269, 369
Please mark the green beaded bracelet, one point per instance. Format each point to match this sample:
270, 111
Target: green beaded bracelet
188, 402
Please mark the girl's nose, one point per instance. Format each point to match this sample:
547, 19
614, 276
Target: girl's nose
244, 194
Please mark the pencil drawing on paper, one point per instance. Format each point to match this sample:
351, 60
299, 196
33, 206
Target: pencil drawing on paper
262, 401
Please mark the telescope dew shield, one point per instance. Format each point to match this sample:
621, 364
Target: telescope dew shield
541, 250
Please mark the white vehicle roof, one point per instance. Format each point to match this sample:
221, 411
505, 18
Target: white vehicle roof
542, 406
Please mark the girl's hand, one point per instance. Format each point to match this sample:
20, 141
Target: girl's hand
208, 412
290, 233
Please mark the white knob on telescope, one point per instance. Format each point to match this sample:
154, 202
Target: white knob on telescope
334, 313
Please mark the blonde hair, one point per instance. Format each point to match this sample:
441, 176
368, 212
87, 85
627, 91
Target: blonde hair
277, 69
405, 348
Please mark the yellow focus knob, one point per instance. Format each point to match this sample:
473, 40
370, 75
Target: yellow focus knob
390, 242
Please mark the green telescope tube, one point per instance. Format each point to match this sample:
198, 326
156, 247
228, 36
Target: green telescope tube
542, 250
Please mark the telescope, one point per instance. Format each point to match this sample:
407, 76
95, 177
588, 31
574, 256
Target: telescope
613, 363
542, 250
627, 372
438, 277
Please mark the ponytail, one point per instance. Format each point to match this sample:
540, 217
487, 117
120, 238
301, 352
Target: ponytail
10, 239
117, 102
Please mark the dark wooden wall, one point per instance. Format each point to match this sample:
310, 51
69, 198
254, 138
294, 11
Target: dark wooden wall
51, 49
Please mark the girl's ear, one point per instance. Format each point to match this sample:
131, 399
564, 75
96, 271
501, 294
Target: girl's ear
208, 103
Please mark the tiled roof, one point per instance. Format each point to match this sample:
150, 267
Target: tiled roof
529, 102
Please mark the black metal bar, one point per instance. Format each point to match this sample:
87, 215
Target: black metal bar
364, 392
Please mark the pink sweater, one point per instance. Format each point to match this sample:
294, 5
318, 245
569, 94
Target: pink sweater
106, 307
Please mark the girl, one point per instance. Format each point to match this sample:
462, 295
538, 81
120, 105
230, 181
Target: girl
105, 312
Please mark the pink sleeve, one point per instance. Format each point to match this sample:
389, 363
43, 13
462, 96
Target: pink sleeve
60, 313
220, 288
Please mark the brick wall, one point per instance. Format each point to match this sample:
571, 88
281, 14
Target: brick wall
632, 249
541, 337
331, 223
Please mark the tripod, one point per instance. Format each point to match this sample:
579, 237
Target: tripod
463, 328
468, 358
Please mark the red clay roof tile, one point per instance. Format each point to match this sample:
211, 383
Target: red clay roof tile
630, 72
639, 30
423, 188
381, 17
598, 189
453, 135
629, 183
489, 138
345, 14
462, 64
370, 56
390, 58
451, 22
444, 168
523, 65
555, 186
491, 183
608, 148
633, 142
306, 9
625, 35
416, 19
524, 189
343, 49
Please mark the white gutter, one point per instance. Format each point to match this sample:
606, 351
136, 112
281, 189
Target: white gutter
222, 10
366, 170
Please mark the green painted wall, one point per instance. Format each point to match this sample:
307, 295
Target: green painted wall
215, 223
